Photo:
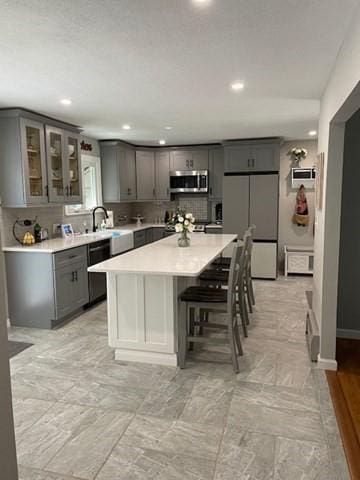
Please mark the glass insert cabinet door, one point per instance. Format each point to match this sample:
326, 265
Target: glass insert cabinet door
73, 168
33, 152
55, 162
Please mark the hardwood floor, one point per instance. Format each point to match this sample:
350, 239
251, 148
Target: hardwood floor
345, 391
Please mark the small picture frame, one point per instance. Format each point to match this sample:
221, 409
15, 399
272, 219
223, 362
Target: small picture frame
67, 230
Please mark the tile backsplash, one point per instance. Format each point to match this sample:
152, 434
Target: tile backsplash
198, 206
49, 215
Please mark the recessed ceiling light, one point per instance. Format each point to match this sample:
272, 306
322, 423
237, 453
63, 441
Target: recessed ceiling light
162, 142
168, 128
313, 133
237, 86
66, 101
126, 127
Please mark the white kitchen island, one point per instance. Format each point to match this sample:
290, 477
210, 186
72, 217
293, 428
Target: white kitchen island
143, 287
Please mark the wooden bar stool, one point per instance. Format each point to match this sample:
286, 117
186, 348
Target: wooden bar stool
220, 279
215, 300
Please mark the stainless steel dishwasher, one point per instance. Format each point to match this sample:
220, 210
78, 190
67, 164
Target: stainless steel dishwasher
97, 252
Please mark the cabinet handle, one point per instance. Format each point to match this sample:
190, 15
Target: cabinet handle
253, 162
73, 276
46, 190
76, 275
192, 163
187, 163
248, 162
72, 256
70, 190
210, 190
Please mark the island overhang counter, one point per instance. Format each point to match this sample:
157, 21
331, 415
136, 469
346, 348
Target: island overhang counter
143, 287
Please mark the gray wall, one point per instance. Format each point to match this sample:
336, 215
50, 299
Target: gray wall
8, 464
349, 272
290, 234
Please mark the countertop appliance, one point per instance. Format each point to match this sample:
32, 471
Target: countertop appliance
97, 252
218, 213
189, 181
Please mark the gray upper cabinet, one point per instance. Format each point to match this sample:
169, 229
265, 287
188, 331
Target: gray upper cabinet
189, 160
265, 158
216, 173
40, 163
118, 172
252, 156
145, 175
64, 166
23, 179
128, 175
110, 175
34, 161
162, 175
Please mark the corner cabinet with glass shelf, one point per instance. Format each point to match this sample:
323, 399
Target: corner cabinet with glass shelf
40, 161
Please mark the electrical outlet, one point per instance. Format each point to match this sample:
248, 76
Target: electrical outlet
56, 228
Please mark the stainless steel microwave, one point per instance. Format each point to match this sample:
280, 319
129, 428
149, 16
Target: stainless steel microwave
189, 181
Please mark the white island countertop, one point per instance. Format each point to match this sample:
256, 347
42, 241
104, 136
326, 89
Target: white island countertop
165, 257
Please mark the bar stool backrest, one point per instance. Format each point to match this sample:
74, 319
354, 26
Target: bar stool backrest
233, 278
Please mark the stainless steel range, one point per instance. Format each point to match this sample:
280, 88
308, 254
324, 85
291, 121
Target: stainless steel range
198, 228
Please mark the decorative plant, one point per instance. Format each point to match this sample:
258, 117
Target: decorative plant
184, 224
298, 154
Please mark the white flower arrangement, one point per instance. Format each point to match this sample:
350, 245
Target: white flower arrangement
298, 153
184, 222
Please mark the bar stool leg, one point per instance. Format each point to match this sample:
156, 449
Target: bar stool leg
182, 334
191, 317
234, 356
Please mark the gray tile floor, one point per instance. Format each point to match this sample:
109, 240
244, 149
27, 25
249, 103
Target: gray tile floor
81, 415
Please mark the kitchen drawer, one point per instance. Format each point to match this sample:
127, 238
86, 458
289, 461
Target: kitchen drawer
68, 257
139, 238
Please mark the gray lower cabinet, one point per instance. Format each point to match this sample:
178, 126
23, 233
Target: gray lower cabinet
158, 233
214, 230
43, 288
162, 175
118, 172
72, 292
145, 175
139, 238
216, 173
252, 156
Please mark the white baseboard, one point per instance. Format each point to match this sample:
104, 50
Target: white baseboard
327, 363
346, 333
167, 359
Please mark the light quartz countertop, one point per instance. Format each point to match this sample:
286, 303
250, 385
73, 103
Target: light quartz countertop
54, 245
164, 257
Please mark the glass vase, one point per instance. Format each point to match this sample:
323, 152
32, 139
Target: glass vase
184, 240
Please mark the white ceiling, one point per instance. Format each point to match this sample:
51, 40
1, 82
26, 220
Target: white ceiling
152, 63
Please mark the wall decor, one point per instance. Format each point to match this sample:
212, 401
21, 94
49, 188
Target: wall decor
87, 147
297, 154
301, 215
319, 180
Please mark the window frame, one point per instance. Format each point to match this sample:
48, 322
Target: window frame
91, 161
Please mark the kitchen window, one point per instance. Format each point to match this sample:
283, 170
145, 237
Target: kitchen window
91, 184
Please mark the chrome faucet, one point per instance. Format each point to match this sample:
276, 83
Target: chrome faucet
93, 215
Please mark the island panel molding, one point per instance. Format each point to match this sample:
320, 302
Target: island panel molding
143, 295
